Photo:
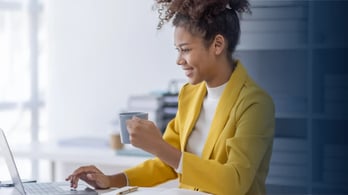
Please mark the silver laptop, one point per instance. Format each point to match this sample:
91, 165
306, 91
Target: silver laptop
37, 188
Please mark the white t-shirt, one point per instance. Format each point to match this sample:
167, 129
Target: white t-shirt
200, 132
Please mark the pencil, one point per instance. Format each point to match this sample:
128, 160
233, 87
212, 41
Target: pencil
129, 190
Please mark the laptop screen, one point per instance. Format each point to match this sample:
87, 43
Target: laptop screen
7, 154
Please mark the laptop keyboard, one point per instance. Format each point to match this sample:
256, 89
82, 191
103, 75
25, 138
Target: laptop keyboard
42, 188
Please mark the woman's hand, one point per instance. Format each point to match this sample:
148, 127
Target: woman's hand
91, 175
144, 134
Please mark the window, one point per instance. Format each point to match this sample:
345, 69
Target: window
22, 73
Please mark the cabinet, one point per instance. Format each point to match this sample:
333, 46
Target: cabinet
296, 51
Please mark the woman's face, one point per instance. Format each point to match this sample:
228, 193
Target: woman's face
197, 61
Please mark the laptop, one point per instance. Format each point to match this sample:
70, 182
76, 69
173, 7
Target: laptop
37, 188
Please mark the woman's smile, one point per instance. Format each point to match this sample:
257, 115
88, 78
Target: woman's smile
188, 71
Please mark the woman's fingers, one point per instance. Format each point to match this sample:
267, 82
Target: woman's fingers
86, 173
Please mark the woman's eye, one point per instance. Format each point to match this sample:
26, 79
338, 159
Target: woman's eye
182, 50
185, 50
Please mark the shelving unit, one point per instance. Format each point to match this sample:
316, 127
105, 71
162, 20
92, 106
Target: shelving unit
328, 47
296, 51
168, 109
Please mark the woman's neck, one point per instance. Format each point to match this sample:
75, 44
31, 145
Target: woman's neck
223, 74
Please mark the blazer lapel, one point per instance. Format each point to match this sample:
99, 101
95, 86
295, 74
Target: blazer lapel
224, 107
193, 113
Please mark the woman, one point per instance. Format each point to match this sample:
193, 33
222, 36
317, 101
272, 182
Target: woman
220, 141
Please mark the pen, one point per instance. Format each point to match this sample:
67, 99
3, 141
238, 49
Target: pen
129, 190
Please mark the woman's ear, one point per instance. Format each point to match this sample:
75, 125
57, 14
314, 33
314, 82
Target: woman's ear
219, 44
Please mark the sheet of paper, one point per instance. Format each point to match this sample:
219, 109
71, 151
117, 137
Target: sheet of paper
153, 190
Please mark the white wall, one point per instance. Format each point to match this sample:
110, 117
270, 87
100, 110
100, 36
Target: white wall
99, 53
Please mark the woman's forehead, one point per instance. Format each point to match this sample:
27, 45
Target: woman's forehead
182, 35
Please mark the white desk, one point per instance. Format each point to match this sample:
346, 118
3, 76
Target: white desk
64, 159
89, 155
75, 156
12, 191
141, 191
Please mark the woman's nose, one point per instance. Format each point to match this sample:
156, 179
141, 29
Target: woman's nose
180, 60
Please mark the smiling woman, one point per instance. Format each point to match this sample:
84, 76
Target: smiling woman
220, 140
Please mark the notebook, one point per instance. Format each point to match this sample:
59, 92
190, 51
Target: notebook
37, 188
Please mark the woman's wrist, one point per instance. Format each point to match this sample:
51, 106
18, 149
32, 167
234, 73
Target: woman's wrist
117, 180
167, 153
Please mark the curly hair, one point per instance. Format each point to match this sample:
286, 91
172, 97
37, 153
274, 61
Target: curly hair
206, 18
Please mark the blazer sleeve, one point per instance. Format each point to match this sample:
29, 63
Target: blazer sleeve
253, 123
154, 171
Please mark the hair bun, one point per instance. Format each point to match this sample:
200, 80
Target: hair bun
197, 9
238, 5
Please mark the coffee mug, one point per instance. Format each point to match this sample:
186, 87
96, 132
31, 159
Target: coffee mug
124, 116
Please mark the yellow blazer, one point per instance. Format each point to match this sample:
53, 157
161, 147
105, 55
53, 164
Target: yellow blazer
237, 152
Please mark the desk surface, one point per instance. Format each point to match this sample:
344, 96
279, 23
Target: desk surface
54, 152
13, 191
141, 191
66, 158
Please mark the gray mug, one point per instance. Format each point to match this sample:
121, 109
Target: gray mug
124, 116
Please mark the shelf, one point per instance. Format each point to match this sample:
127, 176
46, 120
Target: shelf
274, 25
272, 41
290, 115
262, 47
297, 52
